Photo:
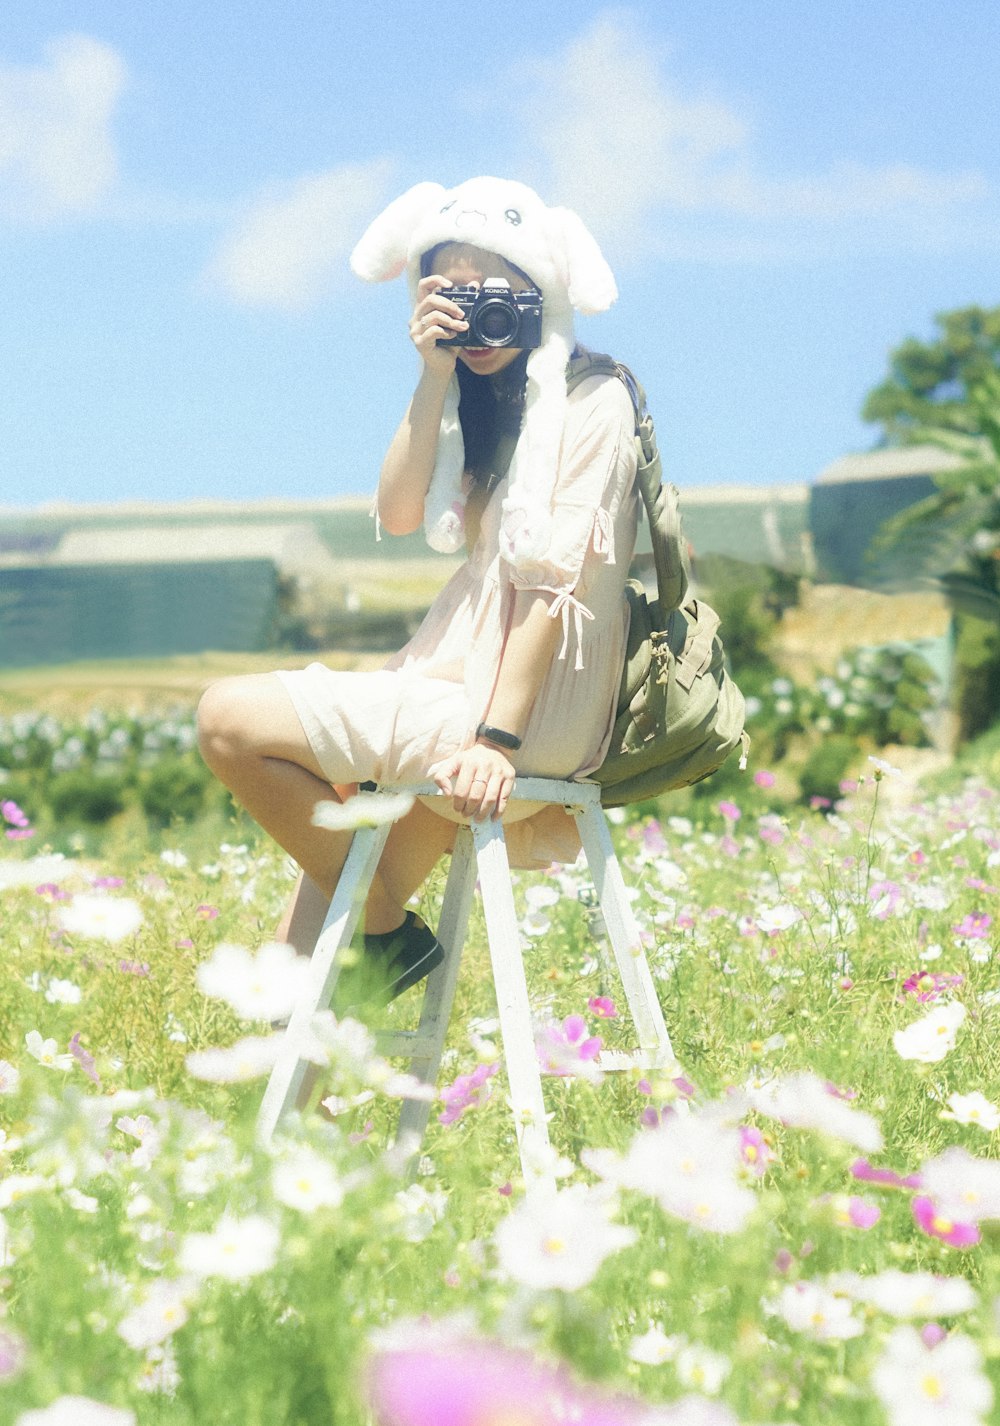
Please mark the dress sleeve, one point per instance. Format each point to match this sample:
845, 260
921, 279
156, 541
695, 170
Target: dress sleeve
596, 470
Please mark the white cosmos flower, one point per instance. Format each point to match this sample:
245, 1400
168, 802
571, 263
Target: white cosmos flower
419, 1209
365, 809
690, 1165
920, 1385
559, 1239
772, 919
77, 1411
930, 1039
236, 1249
46, 1052
306, 1181
654, 1347
63, 992
811, 1308
249, 1058
101, 918
972, 1108
962, 1186
914, 1294
265, 986
701, 1368
803, 1101
10, 1077
162, 1310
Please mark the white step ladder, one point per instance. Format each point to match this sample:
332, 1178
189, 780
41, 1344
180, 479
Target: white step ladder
480, 851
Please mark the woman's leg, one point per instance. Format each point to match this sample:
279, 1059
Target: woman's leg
251, 738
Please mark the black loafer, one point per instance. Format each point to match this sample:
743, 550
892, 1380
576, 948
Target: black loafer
392, 961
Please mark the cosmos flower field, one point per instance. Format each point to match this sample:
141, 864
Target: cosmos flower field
797, 1222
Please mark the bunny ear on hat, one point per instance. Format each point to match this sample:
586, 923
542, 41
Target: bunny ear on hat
381, 253
590, 283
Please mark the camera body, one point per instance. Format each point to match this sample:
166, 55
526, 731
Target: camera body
497, 317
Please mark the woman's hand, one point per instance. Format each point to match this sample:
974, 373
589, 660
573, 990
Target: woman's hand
479, 781
434, 318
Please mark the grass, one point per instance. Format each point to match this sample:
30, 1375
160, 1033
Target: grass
781, 947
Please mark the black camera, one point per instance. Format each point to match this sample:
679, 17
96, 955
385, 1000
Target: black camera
497, 317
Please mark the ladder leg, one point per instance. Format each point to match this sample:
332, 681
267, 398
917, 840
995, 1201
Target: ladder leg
520, 1054
439, 995
338, 928
623, 933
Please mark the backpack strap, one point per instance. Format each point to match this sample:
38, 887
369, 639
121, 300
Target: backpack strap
661, 500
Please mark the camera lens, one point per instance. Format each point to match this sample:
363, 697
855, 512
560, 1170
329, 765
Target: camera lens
495, 323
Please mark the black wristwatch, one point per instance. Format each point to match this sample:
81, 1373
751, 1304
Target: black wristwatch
498, 736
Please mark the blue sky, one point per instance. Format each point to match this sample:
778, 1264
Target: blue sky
784, 190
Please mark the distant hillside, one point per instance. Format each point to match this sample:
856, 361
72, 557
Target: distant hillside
766, 525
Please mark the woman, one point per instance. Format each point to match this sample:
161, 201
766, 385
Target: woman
516, 666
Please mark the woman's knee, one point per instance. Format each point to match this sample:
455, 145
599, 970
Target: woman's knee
225, 721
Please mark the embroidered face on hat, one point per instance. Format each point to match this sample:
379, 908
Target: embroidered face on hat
557, 252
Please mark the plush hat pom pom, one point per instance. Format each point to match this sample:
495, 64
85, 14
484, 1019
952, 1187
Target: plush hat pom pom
444, 504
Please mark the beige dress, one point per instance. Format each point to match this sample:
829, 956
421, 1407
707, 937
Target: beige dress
391, 725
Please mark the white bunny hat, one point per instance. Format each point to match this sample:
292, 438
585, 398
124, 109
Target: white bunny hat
557, 252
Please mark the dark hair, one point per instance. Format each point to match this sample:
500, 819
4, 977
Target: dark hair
489, 407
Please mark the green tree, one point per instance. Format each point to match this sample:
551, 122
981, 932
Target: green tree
952, 541
929, 382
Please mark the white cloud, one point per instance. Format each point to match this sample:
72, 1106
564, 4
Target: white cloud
290, 244
620, 142
57, 151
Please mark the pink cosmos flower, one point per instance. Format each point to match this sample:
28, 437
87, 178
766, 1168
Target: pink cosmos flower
754, 1150
51, 891
107, 883
763, 778
730, 811
653, 839
927, 986
567, 1049
12, 1354
206, 912
603, 1007
866, 1171
470, 1383
862, 1212
729, 846
84, 1059
974, 927
949, 1230
17, 821
467, 1091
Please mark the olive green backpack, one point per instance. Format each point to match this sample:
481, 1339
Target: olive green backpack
679, 713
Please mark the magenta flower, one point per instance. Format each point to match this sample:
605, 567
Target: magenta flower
567, 1049
885, 1178
763, 778
949, 1230
468, 1091
473, 1383
926, 985
206, 912
730, 811
603, 1007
